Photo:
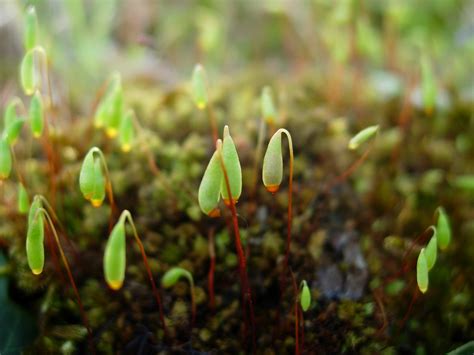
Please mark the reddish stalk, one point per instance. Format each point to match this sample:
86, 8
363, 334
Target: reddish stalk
210, 275
71, 278
246, 292
150, 275
212, 119
258, 157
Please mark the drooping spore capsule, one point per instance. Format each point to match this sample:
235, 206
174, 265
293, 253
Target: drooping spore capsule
86, 176
362, 137
272, 171
115, 256
443, 229
305, 298
199, 90
114, 113
172, 276
28, 73
233, 168
127, 132
98, 191
36, 115
422, 272
13, 131
10, 115
431, 250
267, 105
210, 187
35, 238
23, 200
31, 28
5, 159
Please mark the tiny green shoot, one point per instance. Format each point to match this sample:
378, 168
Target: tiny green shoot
36, 115
431, 249
172, 276
5, 159
127, 132
198, 84
267, 106
428, 85
31, 28
305, 296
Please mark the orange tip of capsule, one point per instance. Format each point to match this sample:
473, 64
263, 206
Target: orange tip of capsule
115, 285
227, 201
214, 213
201, 105
273, 188
96, 203
111, 132
126, 148
37, 271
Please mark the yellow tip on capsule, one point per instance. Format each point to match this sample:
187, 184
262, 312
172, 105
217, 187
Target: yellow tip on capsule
111, 132
126, 148
201, 105
96, 203
37, 271
36, 134
115, 285
272, 188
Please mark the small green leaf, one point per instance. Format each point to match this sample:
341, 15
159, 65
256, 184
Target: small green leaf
30, 79
115, 256
305, 297
362, 137
268, 108
86, 176
35, 237
444, 229
431, 250
422, 272
127, 132
272, 171
12, 131
5, 159
172, 276
31, 28
428, 85
36, 115
23, 199
232, 165
98, 191
199, 87
210, 187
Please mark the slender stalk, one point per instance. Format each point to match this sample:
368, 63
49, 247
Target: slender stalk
210, 275
246, 292
108, 186
258, 156
212, 120
69, 273
126, 215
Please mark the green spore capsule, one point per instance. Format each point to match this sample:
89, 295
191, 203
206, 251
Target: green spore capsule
28, 75
362, 137
428, 85
35, 237
422, 272
31, 28
86, 176
13, 130
272, 171
234, 171
36, 115
431, 250
23, 199
10, 114
172, 276
5, 159
199, 87
98, 191
210, 187
305, 296
104, 108
443, 229
115, 256
267, 105
114, 113
127, 132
